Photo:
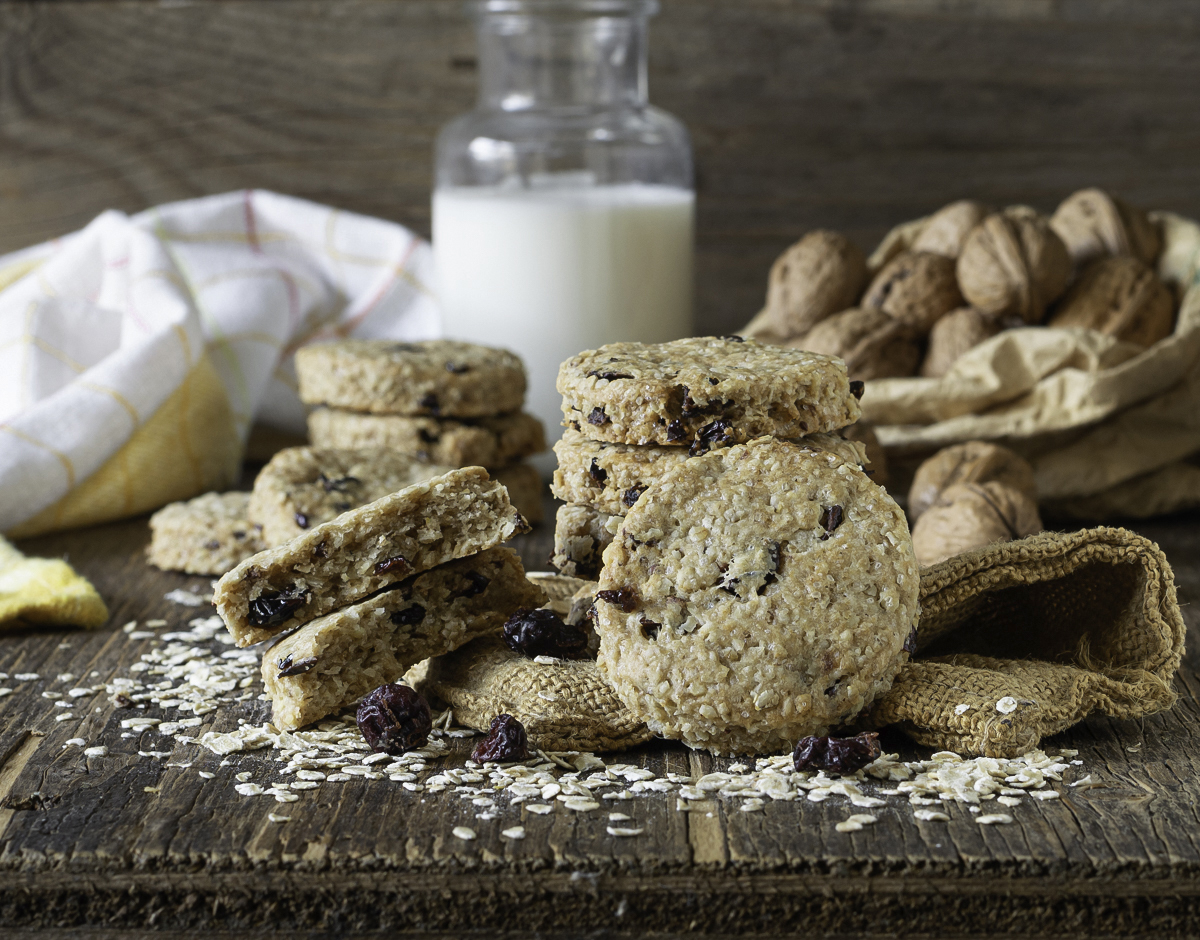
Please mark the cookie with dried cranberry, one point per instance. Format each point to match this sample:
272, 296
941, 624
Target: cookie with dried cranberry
756, 595
441, 378
704, 392
581, 533
206, 535
302, 487
482, 442
611, 477
331, 661
362, 551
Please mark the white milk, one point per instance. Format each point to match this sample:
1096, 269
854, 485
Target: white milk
548, 273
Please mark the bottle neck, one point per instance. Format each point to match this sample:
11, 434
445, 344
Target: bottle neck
561, 60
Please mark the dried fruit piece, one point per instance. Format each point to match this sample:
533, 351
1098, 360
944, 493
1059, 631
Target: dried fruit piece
272, 609
831, 518
836, 755
409, 616
540, 632
395, 563
393, 718
625, 599
609, 376
298, 668
505, 741
632, 495
597, 416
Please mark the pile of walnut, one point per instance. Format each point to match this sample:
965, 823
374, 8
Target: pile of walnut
969, 274
968, 496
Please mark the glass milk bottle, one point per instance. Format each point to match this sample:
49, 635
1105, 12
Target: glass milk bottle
563, 205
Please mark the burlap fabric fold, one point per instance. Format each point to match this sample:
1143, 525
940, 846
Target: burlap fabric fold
1017, 641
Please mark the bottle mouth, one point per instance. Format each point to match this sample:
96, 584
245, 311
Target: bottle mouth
564, 7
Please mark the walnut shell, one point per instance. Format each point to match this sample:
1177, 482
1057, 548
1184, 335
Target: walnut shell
946, 230
873, 345
972, 515
971, 462
916, 287
821, 274
1013, 263
1093, 224
877, 468
1120, 297
953, 335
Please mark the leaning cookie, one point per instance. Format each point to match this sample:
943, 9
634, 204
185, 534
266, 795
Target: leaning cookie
704, 392
333, 660
206, 535
362, 551
441, 378
581, 534
483, 442
611, 477
756, 595
302, 487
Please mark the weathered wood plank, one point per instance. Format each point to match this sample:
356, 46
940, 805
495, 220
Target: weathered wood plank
804, 113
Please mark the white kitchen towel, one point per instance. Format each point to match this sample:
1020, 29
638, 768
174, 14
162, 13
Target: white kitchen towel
136, 353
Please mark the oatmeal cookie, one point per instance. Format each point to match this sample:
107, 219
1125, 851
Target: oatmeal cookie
611, 477
483, 442
704, 392
525, 489
581, 534
756, 595
302, 487
206, 535
333, 660
362, 551
440, 377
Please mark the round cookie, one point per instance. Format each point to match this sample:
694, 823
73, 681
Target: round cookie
441, 378
756, 595
708, 391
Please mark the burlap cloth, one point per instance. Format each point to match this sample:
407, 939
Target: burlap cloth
1064, 625
1107, 425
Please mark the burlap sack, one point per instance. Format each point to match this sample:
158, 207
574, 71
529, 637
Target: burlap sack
1090, 412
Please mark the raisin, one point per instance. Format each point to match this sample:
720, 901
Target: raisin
733, 339
675, 432
831, 518
212, 545
289, 668
477, 586
575, 425
719, 433
831, 691
427, 437
457, 368
632, 495
394, 719
338, 485
649, 628
625, 599
430, 403
857, 389
272, 609
598, 417
239, 535
714, 381
505, 741
610, 376
539, 632
302, 520
836, 755
320, 551
910, 642
395, 563
410, 616
597, 473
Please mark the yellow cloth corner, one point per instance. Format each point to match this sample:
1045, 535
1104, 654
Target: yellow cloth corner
46, 591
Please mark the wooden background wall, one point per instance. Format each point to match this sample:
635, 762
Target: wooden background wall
851, 114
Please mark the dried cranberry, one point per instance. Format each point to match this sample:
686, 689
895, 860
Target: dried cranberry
272, 609
632, 495
597, 473
910, 642
675, 432
539, 632
289, 668
610, 376
597, 416
831, 518
395, 563
478, 584
505, 741
857, 389
320, 551
719, 433
393, 718
836, 755
625, 599
410, 616
302, 520
649, 627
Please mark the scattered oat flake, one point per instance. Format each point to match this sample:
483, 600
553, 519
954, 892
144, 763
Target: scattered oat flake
1087, 782
5, 691
98, 751
206, 775
26, 676
962, 709
930, 815
994, 819
149, 789
621, 832
1044, 794
516, 832
75, 742
65, 716
1006, 705
540, 808
185, 598
462, 832
276, 818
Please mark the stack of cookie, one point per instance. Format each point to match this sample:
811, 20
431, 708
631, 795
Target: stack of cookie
377, 589
633, 412
441, 402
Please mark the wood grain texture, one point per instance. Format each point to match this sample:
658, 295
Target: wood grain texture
83, 844
804, 113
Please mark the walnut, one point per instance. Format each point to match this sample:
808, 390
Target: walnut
916, 288
821, 274
972, 462
972, 515
877, 468
874, 345
1120, 297
1013, 263
953, 335
1093, 224
946, 230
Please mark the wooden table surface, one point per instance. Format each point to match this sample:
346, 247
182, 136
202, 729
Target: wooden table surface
86, 850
